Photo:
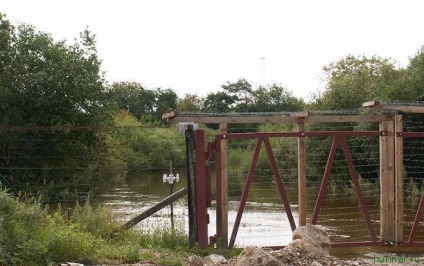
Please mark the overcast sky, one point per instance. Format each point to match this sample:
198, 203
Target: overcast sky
196, 46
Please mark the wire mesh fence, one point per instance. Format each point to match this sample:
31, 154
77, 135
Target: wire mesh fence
49, 159
340, 212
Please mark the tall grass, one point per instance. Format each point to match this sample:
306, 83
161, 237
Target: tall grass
32, 235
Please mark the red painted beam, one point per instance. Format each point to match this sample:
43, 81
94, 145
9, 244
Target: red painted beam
281, 190
246, 189
417, 219
302, 134
201, 193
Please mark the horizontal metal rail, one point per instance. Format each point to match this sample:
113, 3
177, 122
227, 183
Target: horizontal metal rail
303, 134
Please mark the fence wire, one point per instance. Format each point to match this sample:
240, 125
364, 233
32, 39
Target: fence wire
265, 219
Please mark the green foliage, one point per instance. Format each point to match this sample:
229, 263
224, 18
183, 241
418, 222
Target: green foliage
190, 103
219, 102
99, 221
143, 147
412, 80
165, 236
66, 242
50, 90
146, 105
412, 188
354, 80
241, 96
20, 236
29, 235
275, 98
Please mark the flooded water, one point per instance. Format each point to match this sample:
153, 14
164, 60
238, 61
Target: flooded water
264, 221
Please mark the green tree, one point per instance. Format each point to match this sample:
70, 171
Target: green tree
166, 101
144, 147
275, 98
241, 92
51, 110
126, 96
219, 102
145, 104
350, 82
190, 103
354, 80
412, 85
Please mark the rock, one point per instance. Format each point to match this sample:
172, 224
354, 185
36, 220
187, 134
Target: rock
300, 244
256, 256
312, 238
193, 261
214, 260
316, 263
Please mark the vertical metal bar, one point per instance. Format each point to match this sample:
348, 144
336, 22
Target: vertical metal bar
218, 192
210, 153
245, 192
416, 221
280, 184
208, 186
201, 193
325, 178
189, 136
358, 189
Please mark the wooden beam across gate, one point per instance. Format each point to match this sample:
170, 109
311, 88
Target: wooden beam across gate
305, 117
416, 109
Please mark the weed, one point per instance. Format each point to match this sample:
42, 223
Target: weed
29, 235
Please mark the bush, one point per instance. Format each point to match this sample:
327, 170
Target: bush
30, 235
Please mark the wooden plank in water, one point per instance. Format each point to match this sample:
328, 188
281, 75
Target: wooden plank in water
152, 210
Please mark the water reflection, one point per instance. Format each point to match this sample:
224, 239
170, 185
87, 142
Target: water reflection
264, 221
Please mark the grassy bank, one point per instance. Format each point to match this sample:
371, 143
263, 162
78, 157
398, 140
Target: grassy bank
34, 235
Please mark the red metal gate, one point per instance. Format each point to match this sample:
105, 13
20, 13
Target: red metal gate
209, 151
411, 241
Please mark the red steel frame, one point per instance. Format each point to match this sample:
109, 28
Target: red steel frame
246, 189
411, 239
202, 190
342, 140
339, 138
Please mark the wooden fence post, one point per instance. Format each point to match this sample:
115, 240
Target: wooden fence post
301, 164
387, 196
224, 188
399, 178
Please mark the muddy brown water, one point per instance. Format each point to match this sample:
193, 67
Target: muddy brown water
264, 221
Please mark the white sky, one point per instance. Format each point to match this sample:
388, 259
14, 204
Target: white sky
196, 46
